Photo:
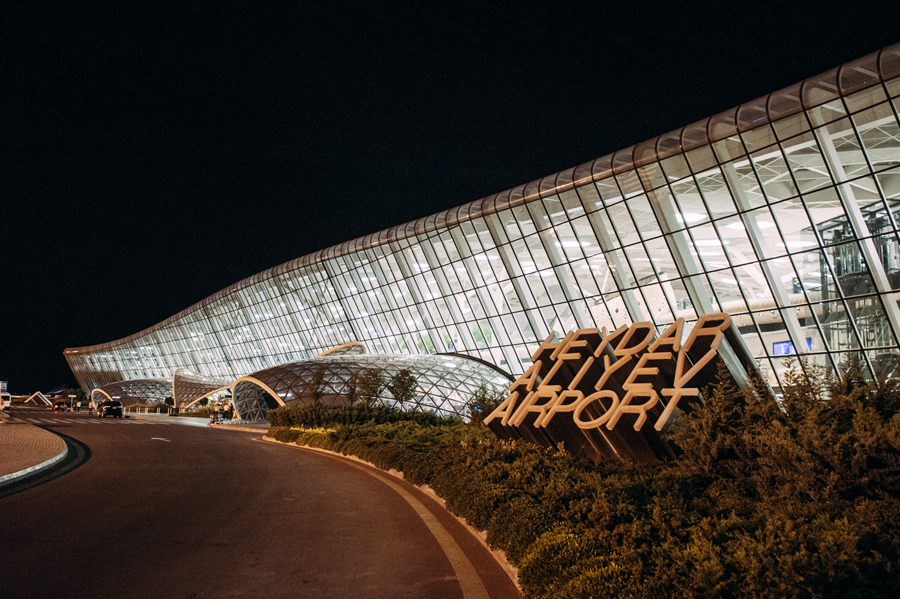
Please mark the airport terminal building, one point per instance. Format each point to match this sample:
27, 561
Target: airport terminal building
783, 212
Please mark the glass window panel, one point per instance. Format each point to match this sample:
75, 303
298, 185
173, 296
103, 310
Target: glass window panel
643, 216
889, 254
516, 221
496, 295
790, 126
484, 232
623, 268
450, 246
471, 235
568, 242
475, 304
624, 226
642, 306
766, 224
864, 98
847, 147
609, 191
689, 200
806, 163
555, 209
474, 268
784, 270
709, 247
661, 259
538, 215
602, 273
449, 274
701, 158
652, 175
893, 87
678, 296
825, 113
571, 204
727, 290
640, 264
753, 283
439, 252
871, 321
718, 198
675, 167
582, 272
758, 138
585, 235
590, 197
889, 184
883, 361
749, 184
829, 218
537, 289
523, 326
518, 255
601, 221
813, 275
611, 314
497, 271
538, 253
794, 225
553, 285
850, 269
657, 303
880, 135
729, 148
774, 174
629, 184
866, 194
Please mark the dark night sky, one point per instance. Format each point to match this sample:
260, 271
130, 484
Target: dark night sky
149, 160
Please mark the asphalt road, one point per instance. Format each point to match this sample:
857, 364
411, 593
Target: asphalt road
169, 510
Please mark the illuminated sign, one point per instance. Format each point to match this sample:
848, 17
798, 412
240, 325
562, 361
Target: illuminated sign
596, 391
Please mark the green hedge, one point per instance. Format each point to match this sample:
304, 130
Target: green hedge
798, 501
317, 414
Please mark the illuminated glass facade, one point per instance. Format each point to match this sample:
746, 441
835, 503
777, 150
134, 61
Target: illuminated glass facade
444, 384
783, 212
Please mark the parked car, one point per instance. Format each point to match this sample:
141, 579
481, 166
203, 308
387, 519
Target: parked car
110, 408
60, 406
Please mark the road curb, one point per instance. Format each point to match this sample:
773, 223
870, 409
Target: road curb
499, 556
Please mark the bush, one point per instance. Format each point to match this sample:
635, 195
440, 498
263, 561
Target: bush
315, 415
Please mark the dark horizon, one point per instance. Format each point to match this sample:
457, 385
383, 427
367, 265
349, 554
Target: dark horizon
155, 159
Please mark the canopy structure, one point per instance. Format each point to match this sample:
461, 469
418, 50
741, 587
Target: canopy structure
443, 384
132, 392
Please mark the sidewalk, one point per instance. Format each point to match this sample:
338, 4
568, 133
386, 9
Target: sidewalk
25, 448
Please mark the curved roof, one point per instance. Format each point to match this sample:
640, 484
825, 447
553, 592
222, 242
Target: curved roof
443, 383
833, 84
135, 391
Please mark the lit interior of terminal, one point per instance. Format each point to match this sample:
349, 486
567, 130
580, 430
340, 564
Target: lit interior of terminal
783, 212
